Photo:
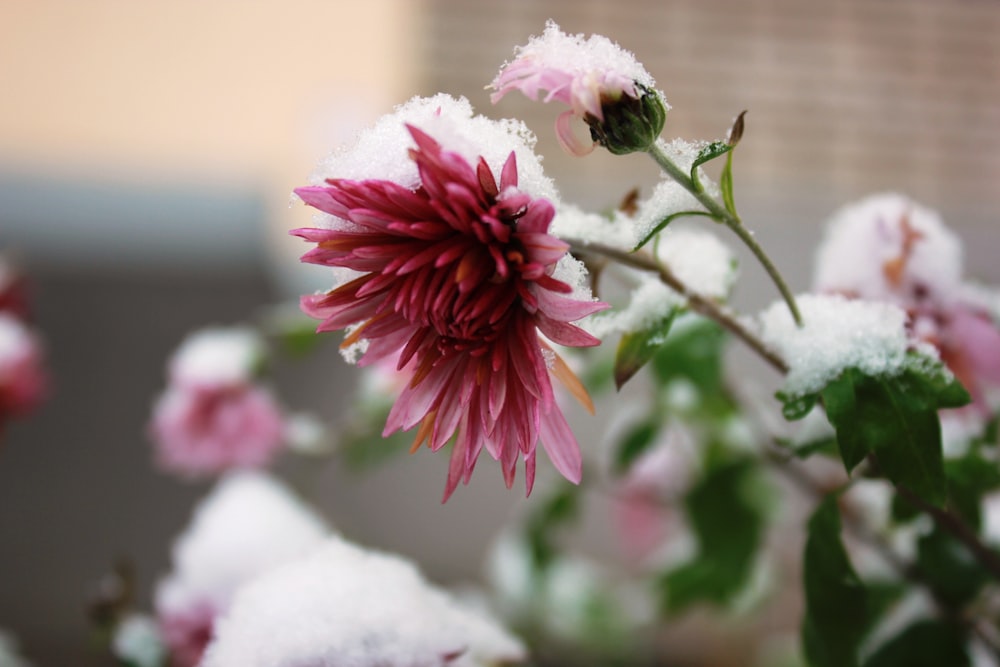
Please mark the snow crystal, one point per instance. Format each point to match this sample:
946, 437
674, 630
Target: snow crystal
574, 223
649, 303
864, 252
381, 152
696, 257
838, 333
248, 524
667, 198
218, 356
699, 259
349, 607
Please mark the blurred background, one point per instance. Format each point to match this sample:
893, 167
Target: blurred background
148, 152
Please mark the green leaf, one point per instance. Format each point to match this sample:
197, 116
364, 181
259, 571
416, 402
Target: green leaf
969, 479
726, 186
797, 407
709, 152
949, 568
636, 441
636, 348
666, 221
842, 411
692, 353
895, 419
923, 644
543, 524
725, 514
837, 615
827, 446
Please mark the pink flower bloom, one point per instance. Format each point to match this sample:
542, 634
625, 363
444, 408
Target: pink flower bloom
455, 279
587, 75
22, 376
213, 416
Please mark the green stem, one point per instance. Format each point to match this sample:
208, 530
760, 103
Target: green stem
732, 221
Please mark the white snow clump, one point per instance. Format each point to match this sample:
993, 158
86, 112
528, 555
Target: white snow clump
344, 606
838, 334
249, 524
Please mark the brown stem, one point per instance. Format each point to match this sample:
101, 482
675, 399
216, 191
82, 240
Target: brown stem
954, 526
698, 303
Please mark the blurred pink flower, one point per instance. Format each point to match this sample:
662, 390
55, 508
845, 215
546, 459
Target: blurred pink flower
187, 632
213, 415
889, 248
208, 431
456, 277
589, 76
13, 292
22, 376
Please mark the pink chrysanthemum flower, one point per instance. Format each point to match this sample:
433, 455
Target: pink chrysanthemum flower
597, 79
456, 284
22, 376
214, 416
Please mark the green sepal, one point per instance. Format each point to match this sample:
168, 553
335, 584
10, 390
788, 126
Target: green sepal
837, 615
636, 348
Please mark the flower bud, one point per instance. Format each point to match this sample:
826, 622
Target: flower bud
630, 124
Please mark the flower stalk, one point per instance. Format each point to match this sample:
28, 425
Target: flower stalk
731, 220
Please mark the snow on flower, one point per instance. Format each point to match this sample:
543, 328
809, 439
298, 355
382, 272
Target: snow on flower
344, 606
22, 376
596, 78
889, 248
457, 278
249, 524
837, 333
213, 415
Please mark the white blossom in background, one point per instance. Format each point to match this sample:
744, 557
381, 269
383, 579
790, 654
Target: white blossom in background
248, 524
345, 606
214, 415
137, 642
10, 653
561, 600
837, 334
